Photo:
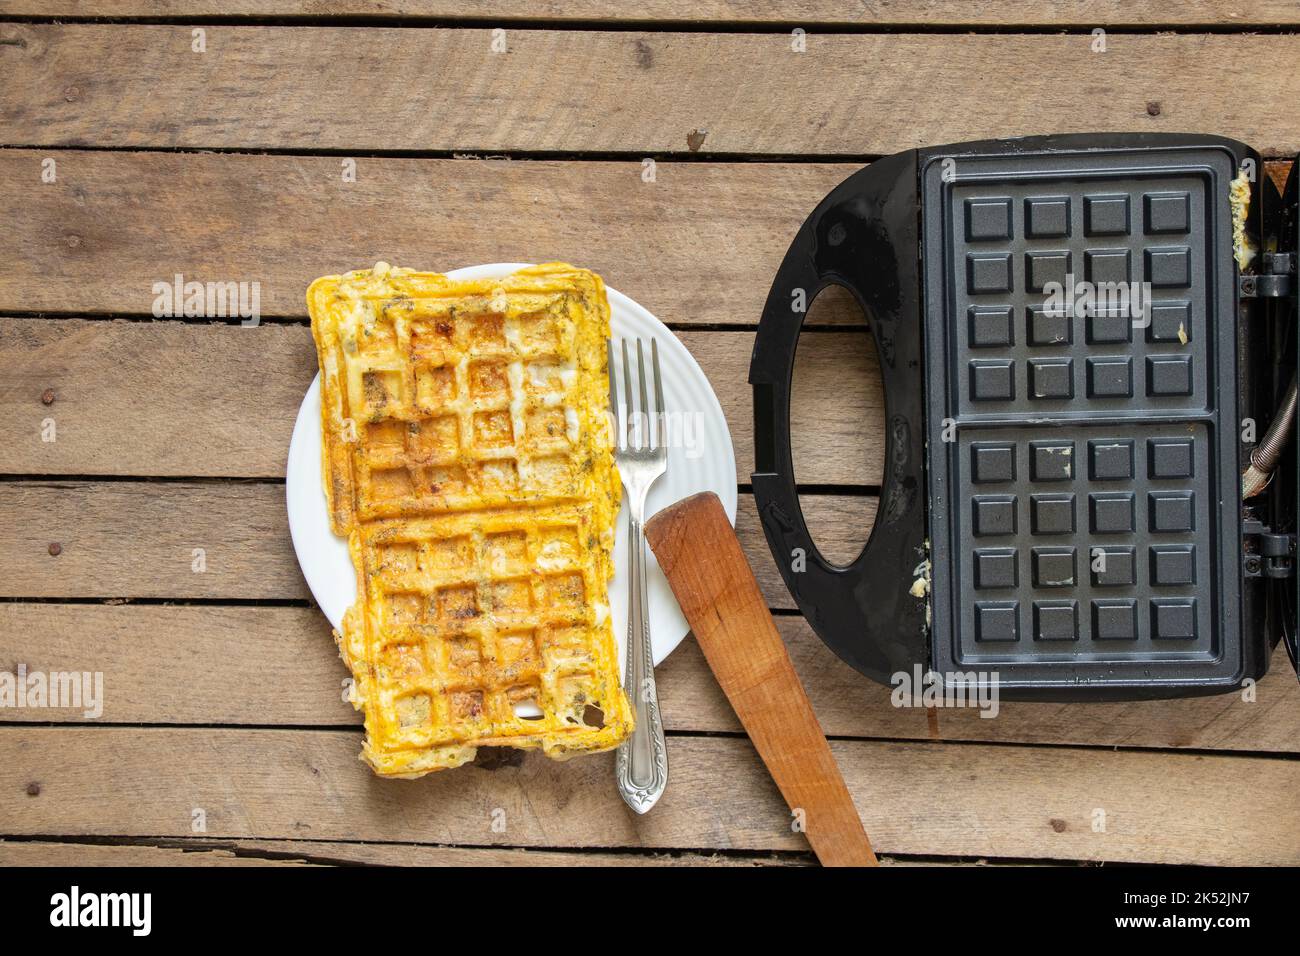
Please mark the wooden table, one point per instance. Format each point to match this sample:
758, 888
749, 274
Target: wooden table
149, 540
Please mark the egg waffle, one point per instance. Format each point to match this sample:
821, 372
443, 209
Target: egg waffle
467, 461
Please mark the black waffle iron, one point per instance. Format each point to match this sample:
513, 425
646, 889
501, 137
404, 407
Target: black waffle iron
1062, 507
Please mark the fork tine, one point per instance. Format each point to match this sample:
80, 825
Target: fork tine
627, 390
616, 432
661, 425
645, 402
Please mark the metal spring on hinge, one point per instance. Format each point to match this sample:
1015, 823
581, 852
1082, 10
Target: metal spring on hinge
1265, 455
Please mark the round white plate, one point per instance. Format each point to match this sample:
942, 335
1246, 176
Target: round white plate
699, 459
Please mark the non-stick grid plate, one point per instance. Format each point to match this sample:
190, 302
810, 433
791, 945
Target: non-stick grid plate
1082, 470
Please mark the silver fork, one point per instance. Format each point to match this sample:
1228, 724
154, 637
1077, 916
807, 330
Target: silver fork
642, 765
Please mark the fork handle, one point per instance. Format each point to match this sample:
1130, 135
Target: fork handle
642, 765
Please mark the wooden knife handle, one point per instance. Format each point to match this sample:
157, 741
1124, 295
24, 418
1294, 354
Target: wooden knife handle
698, 551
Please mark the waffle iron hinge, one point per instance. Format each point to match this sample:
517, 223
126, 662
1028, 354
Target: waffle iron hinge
1267, 554
1275, 281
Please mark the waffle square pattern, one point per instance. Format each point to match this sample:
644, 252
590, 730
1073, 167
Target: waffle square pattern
468, 464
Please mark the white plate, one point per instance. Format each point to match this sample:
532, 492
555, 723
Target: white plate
700, 459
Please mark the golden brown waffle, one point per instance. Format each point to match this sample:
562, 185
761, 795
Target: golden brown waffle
467, 462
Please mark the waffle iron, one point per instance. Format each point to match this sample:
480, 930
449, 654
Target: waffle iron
1062, 509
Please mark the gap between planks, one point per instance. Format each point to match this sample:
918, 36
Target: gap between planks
50, 850
696, 15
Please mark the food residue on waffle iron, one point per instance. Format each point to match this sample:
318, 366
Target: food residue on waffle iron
1243, 250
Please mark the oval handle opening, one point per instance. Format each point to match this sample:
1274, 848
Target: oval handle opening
837, 415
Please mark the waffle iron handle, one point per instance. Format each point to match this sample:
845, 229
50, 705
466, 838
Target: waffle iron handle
863, 236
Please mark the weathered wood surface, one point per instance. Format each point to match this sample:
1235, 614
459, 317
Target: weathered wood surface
697, 246
270, 748
1006, 14
172, 398
44, 853
298, 853
191, 665
953, 799
137, 539
317, 88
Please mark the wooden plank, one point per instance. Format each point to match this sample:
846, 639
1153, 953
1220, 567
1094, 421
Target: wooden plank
150, 398
205, 852
849, 705
179, 664
174, 665
178, 399
258, 87
299, 853
137, 540
700, 244
400, 854
43, 853
915, 799
808, 13
115, 223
